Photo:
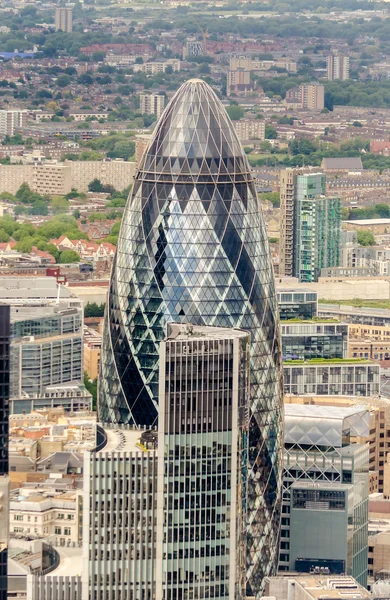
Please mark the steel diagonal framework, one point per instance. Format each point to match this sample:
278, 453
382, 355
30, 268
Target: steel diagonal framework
193, 248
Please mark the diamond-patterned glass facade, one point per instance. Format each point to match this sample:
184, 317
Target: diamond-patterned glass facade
193, 248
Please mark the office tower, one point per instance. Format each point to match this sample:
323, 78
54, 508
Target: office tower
4, 479
152, 104
46, 353
180, 513
193, 248
338, 67
310, 225
206, 506
119, 515
325, 491
296, 303
312, 96
64, 19
11, 120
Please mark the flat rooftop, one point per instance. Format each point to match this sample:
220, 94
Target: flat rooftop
368, 222
123, 440
71, 562
187, 331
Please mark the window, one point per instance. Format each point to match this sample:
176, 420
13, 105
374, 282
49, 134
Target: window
18, 517
57, 530
67, 531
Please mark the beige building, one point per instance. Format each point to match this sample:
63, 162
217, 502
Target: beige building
312, 96
92, 347
369, 349
141, 144
37, 513
10, 120
152, 104
92, 359
314, 586
238, 81
379, 555
64, 19
60, 178
45, 179
286, 240
118, 173
249, 64
158, 67
248, 129
374, 332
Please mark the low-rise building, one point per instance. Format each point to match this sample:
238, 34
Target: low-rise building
332, 377
37, 513
314, 586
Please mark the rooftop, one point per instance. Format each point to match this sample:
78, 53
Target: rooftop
123, 440
329, 361
368, 222
324, 425
187, 331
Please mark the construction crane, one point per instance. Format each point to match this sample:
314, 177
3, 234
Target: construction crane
204, 37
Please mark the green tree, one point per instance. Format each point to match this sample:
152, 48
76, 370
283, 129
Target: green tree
53, 250
39, 207
69, 256
92, 309
4, 237
95, 186
63, 81
270, 132
235, 112
365, 238
59, 204
24, 245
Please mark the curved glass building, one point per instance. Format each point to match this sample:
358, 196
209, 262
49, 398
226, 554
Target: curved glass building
193, 248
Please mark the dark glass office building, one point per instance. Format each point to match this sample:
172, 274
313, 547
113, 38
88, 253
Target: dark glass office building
4, 482
193, 248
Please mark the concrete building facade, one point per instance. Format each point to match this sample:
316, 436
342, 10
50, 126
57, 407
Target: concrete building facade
10, 120
152, 104
64, 19
337, 67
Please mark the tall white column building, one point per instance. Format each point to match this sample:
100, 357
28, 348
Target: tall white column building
338, 67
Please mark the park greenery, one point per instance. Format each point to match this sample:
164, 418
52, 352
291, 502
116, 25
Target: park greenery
27, 236
92, 309
376, 211
358, 302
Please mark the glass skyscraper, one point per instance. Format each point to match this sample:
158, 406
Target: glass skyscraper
193, 249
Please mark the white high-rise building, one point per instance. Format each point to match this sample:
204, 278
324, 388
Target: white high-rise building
10, 120
338, 67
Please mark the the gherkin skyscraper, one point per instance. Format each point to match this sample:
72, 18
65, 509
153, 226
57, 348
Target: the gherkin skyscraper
193, 248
